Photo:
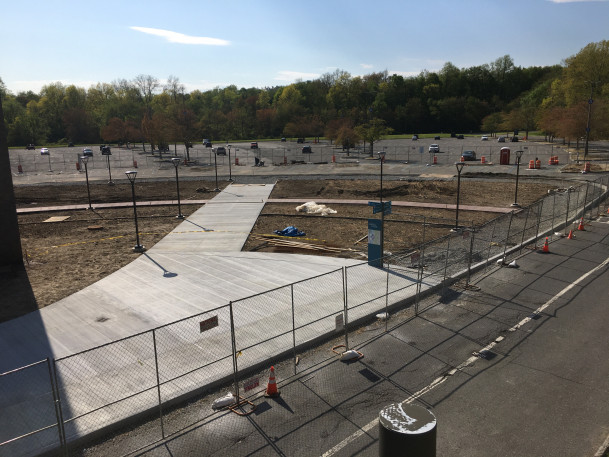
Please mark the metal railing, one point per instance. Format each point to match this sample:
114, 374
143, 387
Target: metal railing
50, 404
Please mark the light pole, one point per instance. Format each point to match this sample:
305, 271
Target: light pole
230, 173
518, 156
176, 163
213, 150
49, 154
459, 166
110, 182
381, 155
84, 160
138, 247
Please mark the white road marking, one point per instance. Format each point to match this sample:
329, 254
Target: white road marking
470, 361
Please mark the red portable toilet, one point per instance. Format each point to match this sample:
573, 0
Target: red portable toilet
504, 156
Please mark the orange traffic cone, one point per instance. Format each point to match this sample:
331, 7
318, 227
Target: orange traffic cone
581, 224
570, 235
546, 248
271, 388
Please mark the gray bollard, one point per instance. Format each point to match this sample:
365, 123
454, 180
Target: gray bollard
407, 431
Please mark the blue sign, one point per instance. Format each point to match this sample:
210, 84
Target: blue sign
380, 207
375, 243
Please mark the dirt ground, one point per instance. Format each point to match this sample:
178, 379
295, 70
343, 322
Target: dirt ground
66, 256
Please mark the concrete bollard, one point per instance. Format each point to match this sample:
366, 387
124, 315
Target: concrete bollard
407, 431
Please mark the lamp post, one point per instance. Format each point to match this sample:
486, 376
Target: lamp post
213, 150
518, 156
49, 154
84, 160
459, 166
110, 182
230, 173
381, 155
590, 101
138, 247
176, 163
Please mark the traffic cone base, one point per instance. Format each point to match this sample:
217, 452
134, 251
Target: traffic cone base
581, 224
570, 235
271, 388
546, 248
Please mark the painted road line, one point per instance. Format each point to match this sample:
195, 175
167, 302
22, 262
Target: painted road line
469, 362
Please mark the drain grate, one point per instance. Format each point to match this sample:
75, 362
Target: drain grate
102, 319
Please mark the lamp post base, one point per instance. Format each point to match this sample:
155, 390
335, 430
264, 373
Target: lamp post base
110, 183
456, 230
515, 205
180, 216
139, 248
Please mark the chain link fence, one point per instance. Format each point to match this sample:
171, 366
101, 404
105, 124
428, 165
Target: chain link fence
152, 373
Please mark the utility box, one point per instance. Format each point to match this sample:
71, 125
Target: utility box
504, 156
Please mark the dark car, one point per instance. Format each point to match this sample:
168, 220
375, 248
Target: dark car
460, 137
254, 145
300, 140
105, 150
468, 155
207, 143
30, 146
436, 137
87, 152
415, 137
514, 139
283, 140
307, 150
221, 151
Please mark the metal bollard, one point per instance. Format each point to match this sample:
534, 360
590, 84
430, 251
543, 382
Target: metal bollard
407, 431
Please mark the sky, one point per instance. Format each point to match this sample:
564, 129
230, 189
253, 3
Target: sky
264, 43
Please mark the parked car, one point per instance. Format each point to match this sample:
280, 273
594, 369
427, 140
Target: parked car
44, 151
468, 155
254, 145
105, 150
30, 146
87, 152
415, 137
300, 140
207, 143
434, 148
436, 137
484, 138
221, 151
514, 139
283, 140
460, 137
307, 150
501, 139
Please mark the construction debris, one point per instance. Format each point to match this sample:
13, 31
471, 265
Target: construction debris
314, 208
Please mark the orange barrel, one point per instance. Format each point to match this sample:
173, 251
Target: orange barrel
551, 161
462, 159
538, 163
482, 159
236, 160
333, 158
587, 167
531, 164
19, 168
77, 166
555, 160
135, 164
435, 160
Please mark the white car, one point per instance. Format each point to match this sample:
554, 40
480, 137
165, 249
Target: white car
434, 148
44, 151
484, 138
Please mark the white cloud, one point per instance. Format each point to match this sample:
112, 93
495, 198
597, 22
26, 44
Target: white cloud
366, 65
37, 85
405, 74
294, 75
175, 37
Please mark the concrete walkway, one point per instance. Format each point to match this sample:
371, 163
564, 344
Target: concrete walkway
198, 267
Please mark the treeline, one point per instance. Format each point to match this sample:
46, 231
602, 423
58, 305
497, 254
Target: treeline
494, 97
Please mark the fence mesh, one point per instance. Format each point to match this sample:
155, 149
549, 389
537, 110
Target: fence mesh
155, 371
28, 388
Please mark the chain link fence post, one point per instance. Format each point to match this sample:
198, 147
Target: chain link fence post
158, 381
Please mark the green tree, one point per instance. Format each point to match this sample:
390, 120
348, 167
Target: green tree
373, 131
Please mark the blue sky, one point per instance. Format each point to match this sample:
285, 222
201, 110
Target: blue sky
265, 43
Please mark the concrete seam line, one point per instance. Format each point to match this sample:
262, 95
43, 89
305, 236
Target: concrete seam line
469, 362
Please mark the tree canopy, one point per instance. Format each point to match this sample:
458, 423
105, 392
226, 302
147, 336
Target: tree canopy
492, 97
